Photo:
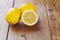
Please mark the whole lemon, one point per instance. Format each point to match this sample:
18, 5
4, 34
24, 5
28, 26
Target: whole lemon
28, 6
13, 16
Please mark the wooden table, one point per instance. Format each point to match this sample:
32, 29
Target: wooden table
47, 28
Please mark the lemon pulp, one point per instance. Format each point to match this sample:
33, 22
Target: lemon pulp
29, 17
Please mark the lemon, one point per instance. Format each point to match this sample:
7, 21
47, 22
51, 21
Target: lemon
29, 17
28, 6
13, 16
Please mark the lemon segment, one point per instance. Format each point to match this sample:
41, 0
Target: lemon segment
29, 17
28, 6
13, 16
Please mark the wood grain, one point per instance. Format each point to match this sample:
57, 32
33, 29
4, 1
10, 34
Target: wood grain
53, 9
40, 31
4, 6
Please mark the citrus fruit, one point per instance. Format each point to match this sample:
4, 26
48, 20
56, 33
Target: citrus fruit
29, 17
13, 16
28, 6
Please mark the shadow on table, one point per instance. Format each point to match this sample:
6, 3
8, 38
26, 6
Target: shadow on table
20, 27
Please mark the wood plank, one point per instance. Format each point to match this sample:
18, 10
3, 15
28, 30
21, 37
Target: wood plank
38, 32
41, 30
15, 32
53, 9
4, 6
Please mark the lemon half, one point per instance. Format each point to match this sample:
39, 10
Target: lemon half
29, 17
28, 6
13, 16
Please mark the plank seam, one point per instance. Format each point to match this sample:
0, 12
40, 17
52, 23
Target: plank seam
9, 24
48, 19
8, 32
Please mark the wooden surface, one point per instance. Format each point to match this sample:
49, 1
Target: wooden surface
38, 32
47, 28
4, 6
53, 9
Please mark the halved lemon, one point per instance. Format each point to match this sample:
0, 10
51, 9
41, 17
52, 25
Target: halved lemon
13, 16
29, 17
28, 6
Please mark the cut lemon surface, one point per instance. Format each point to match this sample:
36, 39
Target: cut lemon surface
28, 6
29, 17
13, 16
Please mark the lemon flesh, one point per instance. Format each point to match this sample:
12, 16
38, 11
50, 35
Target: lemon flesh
13, 16
28, 6
29, 17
